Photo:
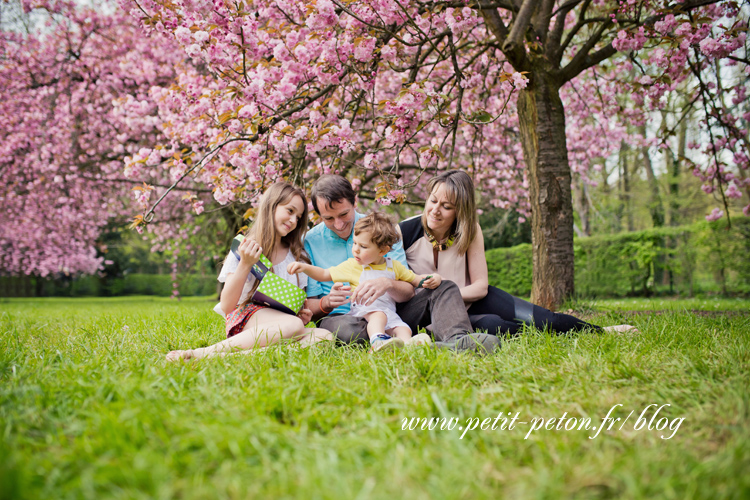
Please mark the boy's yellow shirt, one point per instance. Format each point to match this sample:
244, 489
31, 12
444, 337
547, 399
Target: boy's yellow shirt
350, 271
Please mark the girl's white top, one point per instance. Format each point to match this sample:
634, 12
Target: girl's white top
230, 266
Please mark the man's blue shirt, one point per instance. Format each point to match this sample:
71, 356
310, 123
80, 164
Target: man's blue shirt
326, 249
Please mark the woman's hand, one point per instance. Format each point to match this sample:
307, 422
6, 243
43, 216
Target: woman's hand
432, 282
250, 252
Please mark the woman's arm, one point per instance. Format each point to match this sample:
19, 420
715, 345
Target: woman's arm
478, 275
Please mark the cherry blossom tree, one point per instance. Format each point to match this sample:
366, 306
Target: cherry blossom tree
66, 71
389, 90
223, 97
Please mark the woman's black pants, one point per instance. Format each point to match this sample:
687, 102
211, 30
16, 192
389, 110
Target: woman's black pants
501, 313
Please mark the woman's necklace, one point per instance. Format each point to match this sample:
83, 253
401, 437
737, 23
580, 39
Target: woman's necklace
442, 244
439, 245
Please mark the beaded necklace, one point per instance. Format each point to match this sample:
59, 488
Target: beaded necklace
438, 247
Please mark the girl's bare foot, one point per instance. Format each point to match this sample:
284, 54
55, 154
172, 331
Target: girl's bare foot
178, 355
621, 329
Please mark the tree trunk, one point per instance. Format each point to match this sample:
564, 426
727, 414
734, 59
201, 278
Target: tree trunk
624, 183
674, 175
542, 124
581, 206
655, 206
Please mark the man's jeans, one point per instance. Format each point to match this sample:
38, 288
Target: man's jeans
442, 307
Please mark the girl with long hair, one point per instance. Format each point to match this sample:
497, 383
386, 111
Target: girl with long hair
277, 233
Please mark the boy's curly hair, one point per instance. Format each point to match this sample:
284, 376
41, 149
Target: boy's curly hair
381, 228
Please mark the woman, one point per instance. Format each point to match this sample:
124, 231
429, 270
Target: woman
447, 239
277, 233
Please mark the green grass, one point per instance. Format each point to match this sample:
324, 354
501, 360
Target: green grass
89, 409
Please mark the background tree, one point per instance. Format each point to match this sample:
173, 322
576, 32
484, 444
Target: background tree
401, 88
63, 68
383, 91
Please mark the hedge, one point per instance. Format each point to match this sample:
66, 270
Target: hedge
87, 286
686, 260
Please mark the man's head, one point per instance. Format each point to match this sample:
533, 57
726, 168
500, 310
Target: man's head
334, 200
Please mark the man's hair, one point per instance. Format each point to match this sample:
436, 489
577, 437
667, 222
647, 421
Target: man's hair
381, 228
332, 188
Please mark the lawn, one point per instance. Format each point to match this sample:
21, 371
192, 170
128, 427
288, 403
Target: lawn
89, 409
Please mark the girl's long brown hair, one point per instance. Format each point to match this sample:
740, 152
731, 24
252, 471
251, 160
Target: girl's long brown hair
263, 229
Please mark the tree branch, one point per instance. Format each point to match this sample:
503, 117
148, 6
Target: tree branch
497, 27
582, 59
514, 43
572, 33
542, 19
554, 49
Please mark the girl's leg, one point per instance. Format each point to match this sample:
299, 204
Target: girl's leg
264, 328
312, 336
315, 335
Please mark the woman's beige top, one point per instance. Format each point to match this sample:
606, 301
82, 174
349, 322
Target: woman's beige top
451, 266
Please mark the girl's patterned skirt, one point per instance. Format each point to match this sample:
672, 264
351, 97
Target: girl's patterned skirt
237, 319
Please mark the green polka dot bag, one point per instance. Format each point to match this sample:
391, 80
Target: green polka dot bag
273, 290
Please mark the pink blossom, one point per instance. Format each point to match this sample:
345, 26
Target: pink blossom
733, 192
364, 51
200, 36
715, 214
519, 80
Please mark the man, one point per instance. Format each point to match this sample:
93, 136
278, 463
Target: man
330, 244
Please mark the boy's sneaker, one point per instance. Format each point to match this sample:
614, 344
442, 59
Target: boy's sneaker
418, 340
383, 342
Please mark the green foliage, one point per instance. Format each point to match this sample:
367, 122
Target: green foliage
688, 260
90, 410
501, 228
93, 286
511, 268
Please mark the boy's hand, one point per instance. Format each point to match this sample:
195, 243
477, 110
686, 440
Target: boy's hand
295, 268
432, 282
250, 251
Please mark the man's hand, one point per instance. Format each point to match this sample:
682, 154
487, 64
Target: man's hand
338, 296
366, 293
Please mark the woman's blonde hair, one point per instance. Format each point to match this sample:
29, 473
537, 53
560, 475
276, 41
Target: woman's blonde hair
460, 190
